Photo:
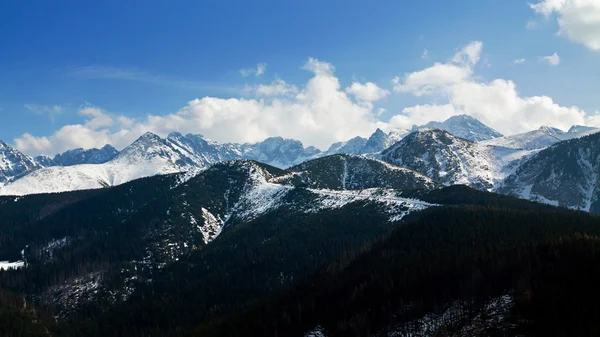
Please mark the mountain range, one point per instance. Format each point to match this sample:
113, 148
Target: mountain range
460, 150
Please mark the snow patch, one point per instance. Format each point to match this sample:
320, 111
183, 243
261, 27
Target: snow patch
396, 207
5, 265
212, 226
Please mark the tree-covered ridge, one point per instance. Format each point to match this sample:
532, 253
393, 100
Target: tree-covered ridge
347, 172
542, 261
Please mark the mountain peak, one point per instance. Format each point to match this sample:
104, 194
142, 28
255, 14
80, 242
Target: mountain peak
463, 117
108, 147
175, 135
14, 164
580, 129
464, 126
551, 130
149, 135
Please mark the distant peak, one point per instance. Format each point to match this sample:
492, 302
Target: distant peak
274, 139
191, 135
175, 135
149, 135
549, 129
462, 117
581, 128
429, 131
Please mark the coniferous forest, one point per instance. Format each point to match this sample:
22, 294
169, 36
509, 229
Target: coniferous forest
474, 263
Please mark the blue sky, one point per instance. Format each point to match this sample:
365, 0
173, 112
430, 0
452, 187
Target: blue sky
111, 69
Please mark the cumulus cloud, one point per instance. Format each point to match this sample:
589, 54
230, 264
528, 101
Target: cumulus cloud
318, 114
552, 60
578, 20
435, 78
259, 70
277, 88
368, 92
98, 129
519, 61
496, 103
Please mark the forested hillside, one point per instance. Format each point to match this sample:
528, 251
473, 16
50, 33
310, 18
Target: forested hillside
457, 270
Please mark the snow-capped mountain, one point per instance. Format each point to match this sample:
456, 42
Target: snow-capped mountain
396, 134
14, 164
376, 143
352, 146
451, 160
278, 152
582, 130
536, 139
275, 151
202, 151
79, 156
443, 153
541, 138
565, 174
149, 155
463, 126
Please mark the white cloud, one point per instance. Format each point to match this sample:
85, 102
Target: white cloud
552, 60
519, 61
435, 78
99, 128
425, 54
277, 88
430, 80
368, 92
578, 20
260, 69
496, 103
469, 55
319, 114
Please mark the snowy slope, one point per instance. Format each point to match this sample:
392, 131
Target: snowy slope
565, 174
149, 155
378, 142
239, 191
541, 138
278, 152
14, 164
79, 156
463, 126
372, 146
452, 160
352, 146
536, 139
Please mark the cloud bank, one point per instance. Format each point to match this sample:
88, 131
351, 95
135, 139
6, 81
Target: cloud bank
578, 20
322, 111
